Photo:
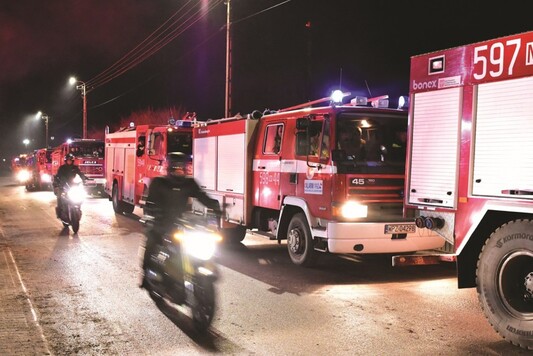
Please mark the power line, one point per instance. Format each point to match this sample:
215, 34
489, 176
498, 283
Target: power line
122, 65
163, 35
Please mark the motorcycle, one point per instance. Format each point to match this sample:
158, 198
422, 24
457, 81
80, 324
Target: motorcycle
71, 197
181, 270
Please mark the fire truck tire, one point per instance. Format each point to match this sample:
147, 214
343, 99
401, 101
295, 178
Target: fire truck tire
300, 242
119, 206
505, 281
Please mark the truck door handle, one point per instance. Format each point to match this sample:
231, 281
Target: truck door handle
261, 167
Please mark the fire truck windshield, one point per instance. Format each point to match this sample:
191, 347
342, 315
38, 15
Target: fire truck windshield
370, 142
180, 142
87, 149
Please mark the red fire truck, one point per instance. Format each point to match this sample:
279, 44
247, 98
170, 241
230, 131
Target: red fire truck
88, 155
137, 154
326, 179
470, 170
19, 168
40, 164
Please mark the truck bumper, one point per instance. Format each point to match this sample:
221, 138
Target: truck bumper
365, 238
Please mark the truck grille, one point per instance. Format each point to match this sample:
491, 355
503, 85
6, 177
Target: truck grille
382, 195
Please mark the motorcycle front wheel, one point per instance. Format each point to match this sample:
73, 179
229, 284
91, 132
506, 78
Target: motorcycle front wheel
75, 216
203, 309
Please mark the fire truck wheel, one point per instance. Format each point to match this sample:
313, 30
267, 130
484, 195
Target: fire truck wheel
300, 242
505, 281
117, 207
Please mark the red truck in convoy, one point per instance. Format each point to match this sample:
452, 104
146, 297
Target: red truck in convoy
89, 156
326, 179
40, 165
470, 170
137, 154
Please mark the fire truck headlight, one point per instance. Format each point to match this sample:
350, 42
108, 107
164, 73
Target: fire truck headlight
354, 210
23, 175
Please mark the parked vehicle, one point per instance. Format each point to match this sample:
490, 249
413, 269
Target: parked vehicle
470, 171
89, 156
328, 178
136, 155
40, 165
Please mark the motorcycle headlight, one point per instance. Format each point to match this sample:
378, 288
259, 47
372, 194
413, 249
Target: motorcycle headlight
46, 178
76, 194
199, 244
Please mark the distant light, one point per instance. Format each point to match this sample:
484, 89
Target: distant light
39, 115
26, 141
132, 124
72, 80
337, 96
69, 141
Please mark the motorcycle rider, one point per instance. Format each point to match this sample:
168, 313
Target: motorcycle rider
168, 198
65, 175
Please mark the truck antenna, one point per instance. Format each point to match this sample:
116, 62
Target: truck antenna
368, 88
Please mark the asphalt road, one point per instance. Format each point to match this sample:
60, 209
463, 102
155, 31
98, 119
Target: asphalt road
80, 296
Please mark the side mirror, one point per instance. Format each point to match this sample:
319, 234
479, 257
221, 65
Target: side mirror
337, 155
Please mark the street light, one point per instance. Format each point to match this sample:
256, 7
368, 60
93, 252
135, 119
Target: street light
26, 142
82, 87
41, 115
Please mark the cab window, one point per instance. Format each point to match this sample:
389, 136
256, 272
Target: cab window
273, 139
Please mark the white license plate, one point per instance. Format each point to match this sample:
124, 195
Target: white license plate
400, 228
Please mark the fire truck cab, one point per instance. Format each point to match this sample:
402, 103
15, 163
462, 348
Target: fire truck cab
470, 170
88, 156
137, 154
326, 179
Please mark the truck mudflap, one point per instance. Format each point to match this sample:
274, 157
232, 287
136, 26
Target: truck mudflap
422, 259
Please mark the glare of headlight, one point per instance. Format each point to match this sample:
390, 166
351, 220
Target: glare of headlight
77, 179
46, 178
23, 175
199, 244
76, 194
354, 210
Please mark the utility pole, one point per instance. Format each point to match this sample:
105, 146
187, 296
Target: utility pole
227, 111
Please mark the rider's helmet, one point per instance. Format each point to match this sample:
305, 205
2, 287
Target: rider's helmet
69, 157
178, 163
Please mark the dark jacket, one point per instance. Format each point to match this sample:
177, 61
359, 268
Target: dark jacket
168, 198
66, 173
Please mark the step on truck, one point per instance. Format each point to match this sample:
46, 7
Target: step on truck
326, 178
470, 170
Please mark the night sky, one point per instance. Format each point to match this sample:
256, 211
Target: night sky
282, 55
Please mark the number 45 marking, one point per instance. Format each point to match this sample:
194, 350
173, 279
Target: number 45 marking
496, 57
